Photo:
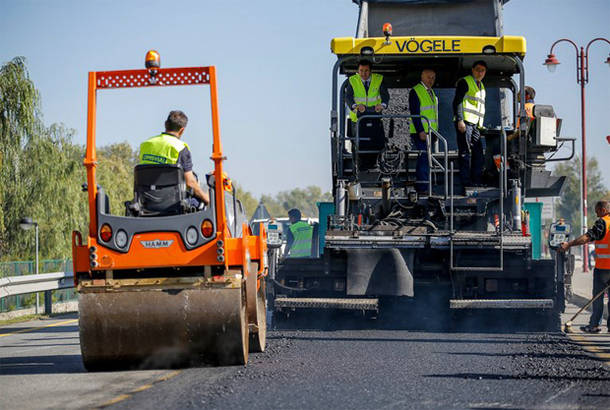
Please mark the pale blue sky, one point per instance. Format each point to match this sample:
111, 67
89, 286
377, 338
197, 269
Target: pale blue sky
274, 66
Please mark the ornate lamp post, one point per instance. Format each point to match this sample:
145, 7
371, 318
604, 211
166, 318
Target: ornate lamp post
582, 78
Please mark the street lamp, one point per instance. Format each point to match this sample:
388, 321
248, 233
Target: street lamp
26, 224
582, 78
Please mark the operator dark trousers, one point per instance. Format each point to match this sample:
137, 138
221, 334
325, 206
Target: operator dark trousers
470, 148
373, 139
601, 277
422, 167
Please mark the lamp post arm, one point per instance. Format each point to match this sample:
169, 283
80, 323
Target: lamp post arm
593, 41
562, 40
587, 54
579, 78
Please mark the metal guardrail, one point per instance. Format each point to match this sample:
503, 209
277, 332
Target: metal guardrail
11, 300
20, 285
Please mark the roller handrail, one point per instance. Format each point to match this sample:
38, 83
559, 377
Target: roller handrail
572, 141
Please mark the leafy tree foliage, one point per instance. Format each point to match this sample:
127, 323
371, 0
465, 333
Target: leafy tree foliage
279, 205
41, 173
115, 174
569, 203
19, 122
247, 199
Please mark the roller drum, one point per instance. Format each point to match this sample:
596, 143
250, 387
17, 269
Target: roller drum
257, 310
161, 328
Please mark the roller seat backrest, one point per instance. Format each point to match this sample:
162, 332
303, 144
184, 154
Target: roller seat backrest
160, 189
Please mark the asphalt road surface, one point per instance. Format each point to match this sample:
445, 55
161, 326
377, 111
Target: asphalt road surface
41, 368
412, 360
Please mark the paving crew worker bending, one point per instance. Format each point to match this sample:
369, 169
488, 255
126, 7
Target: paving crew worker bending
366, 94
168, 148
299, 236
600, 233
469, 111
423, 101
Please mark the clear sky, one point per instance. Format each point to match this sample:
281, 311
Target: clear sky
274, 65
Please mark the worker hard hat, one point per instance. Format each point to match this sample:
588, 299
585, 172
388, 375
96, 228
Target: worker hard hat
226, 182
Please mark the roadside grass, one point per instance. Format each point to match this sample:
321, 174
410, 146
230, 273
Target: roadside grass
27, 318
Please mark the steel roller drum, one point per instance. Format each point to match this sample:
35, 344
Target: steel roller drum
157, 328
257, 310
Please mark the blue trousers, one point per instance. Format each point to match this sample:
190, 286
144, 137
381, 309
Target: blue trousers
422, 167
470, 149
601, 277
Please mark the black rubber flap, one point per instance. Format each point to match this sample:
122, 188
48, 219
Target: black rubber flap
380, 272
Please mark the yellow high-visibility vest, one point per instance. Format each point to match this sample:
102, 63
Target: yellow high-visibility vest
161, 149
473, 103
370, 99
302, 234
428, 107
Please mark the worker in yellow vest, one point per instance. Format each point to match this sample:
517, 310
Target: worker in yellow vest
299, 236
600, 234
469, 112
366, 94
423, 101
168, 148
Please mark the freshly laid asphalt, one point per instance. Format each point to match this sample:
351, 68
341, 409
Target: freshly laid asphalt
413, 359
484, 361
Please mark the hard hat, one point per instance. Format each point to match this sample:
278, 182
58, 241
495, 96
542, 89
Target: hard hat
226, 182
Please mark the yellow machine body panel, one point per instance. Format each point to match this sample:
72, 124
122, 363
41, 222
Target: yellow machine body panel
422, 45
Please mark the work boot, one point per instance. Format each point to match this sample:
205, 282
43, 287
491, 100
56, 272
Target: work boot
591, 329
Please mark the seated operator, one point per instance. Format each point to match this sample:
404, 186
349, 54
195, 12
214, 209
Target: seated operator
365, 95
168, 148
423, 101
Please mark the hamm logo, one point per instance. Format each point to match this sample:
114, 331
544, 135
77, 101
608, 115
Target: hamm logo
157, 244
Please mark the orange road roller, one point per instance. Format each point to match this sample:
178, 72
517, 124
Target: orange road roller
167, 283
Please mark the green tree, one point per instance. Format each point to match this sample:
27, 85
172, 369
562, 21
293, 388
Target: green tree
115, 174
274, 206
569, 203
303, 199
20, 120
53, 176
279, 205
247, 199
41, 173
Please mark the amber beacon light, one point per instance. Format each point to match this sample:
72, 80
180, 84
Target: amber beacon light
387, 32
152, 61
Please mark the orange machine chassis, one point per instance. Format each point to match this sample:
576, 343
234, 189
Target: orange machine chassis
239, 252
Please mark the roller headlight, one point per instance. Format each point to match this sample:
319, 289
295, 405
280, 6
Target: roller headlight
191, 235
120, 239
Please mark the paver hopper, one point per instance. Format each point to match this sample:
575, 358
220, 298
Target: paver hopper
180, 285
